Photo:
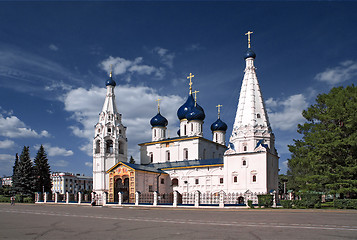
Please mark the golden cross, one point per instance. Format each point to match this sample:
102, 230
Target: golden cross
190, 77
249, 33
195, 92
111, 70
219, 109
158, 104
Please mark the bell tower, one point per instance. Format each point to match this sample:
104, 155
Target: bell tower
110, 142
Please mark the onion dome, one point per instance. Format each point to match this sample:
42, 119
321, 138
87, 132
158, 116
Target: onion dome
249, 54
186, 107
110, 82
196, 113
219, 125
158, 121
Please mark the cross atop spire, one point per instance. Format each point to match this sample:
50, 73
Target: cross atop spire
195, 92
190, 77
249, 33
219, 110
111, 70
158, 104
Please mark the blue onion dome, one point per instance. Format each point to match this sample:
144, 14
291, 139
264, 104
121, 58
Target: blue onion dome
178, 132
219, 125
196, 113
186, 107
158, 121
110, 82
249, 54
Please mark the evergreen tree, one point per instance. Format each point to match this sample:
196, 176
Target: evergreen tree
132, 160
15, 175
325, 159
26, 174
42, 171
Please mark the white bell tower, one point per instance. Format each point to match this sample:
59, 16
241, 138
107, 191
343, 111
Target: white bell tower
110, 142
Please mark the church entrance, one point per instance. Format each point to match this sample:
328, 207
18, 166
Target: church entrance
121, 184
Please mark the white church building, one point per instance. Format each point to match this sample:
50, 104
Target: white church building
248, 166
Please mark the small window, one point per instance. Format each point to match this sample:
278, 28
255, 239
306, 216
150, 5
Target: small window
258, 115
185, 154
162, 181
150, 188
109, 130
191, 127
244, 163
119, 131
151, 157
184, 130
221, 180
235, 179
154, 132
245, 148
109, 146
174, 182
197, 181
254, 178
167, 155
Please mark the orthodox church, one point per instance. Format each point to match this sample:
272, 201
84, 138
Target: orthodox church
189, 162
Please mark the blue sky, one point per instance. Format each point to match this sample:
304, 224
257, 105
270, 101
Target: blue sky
55, 57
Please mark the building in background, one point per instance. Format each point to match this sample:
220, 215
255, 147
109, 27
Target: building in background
6, 181
63, 182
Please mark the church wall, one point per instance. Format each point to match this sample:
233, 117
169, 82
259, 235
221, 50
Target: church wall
273, 171
205, 179
148, 181
255, 165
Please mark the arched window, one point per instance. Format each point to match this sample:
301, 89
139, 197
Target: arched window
151, 157
174, 182
121, 147
235, 179
191, 127
184, 130
109, 146
154, 132
254, 178
258, 115
245, 148
244, 163
167, 155
109, 130
97, 146
185, 154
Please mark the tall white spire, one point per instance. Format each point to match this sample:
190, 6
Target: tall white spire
251, 122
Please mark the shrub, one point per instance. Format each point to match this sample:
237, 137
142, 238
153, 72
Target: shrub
265, 200
345, 203
286, 203
250, 203
4, 198
308, 200
28, 200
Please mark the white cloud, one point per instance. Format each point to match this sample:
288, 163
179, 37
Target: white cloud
7, 144
53, 47
286, 114
166, 57
59, 163
89, 164
137, 105
13, 127
55, 151
6, 163
122, 66
7, 158
194, 47
345, 71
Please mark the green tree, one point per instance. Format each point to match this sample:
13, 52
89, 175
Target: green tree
132, 160
42, 171
325, 159
26, 174
15, 175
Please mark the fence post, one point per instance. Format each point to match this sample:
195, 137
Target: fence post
104, 199
274, 199
120, 198
79, 197
197, 198
155, 198
56, 197
45, 197
67, 197
221, 199
175, 199
137, 198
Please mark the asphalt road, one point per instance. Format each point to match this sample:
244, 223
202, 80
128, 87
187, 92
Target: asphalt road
84, 222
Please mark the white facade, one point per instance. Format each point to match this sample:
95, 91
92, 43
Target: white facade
110, 142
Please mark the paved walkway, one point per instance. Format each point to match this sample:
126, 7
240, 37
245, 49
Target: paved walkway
30, 221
